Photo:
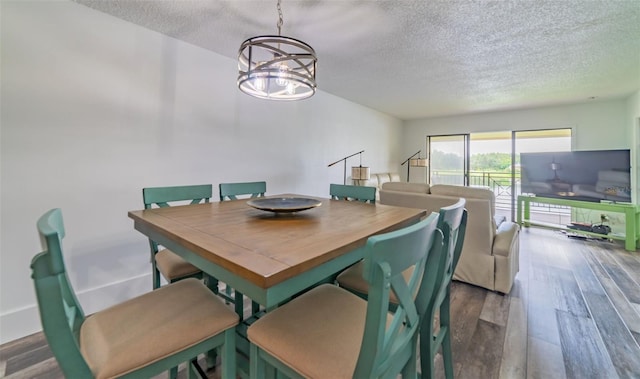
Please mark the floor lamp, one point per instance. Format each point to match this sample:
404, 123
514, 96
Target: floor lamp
357, 173
415, 162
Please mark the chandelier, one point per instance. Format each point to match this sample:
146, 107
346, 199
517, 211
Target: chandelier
277, 67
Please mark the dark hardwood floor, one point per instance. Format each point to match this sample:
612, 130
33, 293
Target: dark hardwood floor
574, 312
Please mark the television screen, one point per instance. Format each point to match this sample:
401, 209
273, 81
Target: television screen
580, 175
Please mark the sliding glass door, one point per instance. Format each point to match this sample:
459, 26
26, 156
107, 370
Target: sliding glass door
490, 159
491, 165
449, 159
540, 141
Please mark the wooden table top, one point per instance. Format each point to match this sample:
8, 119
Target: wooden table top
266, 248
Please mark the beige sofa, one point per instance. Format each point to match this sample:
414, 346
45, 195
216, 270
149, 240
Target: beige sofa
377, 180
490, 254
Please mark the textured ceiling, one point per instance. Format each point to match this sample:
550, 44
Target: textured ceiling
415, 59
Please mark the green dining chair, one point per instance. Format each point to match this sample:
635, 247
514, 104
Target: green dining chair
354, 193
138, 338
232, 191
164, 261
453, 223
329, 332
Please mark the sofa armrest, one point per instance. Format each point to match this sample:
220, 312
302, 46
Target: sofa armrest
505, 238
499, 219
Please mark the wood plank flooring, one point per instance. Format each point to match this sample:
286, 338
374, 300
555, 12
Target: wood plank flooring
574, 313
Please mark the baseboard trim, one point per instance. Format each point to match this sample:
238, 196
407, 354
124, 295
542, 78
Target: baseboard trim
24, 321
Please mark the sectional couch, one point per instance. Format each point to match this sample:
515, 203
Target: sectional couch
490, 254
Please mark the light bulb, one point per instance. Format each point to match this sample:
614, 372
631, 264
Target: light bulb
258, 83
291, 89
281, 80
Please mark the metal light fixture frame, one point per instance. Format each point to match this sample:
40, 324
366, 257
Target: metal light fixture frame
276, 67
415, 162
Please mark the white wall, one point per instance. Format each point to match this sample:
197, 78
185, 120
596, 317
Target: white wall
596, 125
95, 108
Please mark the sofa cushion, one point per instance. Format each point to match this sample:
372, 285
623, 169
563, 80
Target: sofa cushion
371, 182
383, 178
376, 180
406, 187
466, 192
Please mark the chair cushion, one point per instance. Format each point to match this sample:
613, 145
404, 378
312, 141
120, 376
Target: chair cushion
352, 279
153, 326
317, 334
172, 266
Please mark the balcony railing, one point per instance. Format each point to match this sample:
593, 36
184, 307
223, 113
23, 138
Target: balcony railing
500, 184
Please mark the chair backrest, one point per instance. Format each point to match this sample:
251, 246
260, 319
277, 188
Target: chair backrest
231, 191
388, 345
452, 222
60, 312
163, 196
349, 192
454, 217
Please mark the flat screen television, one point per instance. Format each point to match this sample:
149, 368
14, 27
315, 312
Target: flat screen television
598, 175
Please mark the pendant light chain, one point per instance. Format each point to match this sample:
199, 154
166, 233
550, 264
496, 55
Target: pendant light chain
280, 20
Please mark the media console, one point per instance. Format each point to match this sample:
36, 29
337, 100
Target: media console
630, 211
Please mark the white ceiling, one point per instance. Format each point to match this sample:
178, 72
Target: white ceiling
415, 59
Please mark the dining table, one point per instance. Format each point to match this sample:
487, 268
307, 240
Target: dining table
267, 255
